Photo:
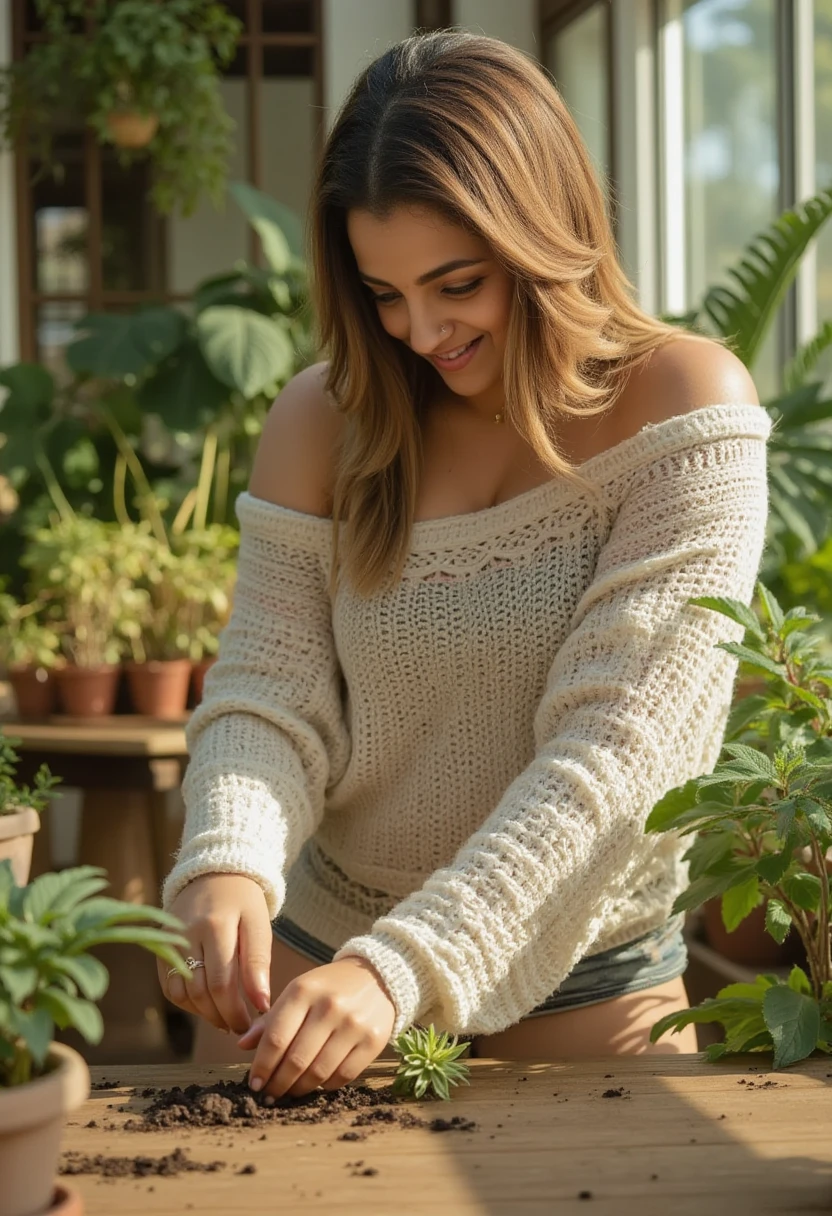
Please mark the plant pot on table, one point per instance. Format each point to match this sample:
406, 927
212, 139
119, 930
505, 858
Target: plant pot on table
32, 1118
17, 833
159, 687
35, 690
200, 671
88, 692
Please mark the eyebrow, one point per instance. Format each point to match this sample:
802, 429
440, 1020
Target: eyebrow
446, 268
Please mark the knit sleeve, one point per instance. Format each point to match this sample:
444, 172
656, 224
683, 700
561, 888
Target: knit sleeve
269, 737
635, 699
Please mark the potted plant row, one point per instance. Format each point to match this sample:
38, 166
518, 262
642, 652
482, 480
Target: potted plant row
110, 596
761, 832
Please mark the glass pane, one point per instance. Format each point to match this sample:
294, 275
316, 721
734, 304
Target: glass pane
577, 58
288, 123
823, 157
287, 17
210, 241
55, 330
288, 61
732, 156
60, 222
130, 242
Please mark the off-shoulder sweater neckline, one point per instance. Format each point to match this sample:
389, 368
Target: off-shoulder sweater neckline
676, 433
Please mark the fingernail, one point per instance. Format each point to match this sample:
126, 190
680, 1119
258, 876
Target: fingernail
256, 1083
263, 1001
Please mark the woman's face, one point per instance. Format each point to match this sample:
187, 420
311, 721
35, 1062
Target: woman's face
424, 273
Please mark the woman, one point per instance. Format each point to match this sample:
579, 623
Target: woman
462, 666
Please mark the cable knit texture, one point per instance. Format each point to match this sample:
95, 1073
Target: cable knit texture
451, 778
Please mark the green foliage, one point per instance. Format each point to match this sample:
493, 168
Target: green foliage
138, 56
26, 640
429, 1061
14, 795
48, 977
761, 830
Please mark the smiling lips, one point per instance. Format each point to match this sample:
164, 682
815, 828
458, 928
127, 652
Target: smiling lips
457, 358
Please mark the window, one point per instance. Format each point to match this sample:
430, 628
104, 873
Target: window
91, 241
576, 46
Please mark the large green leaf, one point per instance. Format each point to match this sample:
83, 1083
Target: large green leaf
804, 360
245, 350
793, 1020
116, 346
762, 276
183, 391
278, 227
60, 892
31, 389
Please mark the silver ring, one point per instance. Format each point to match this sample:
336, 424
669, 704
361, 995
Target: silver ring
193, 963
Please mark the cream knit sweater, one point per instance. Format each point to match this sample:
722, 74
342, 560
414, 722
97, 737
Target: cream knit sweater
451, 778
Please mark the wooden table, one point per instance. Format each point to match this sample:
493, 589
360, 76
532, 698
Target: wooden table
683, 1139
129, 770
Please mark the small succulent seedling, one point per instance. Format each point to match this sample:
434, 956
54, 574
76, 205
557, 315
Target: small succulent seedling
14, 796
429, 1060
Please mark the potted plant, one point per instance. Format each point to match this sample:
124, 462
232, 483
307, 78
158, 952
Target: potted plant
144, 74
211, 556
160, 670
762, 828
20, 809
30, 652
84, 576
49, 978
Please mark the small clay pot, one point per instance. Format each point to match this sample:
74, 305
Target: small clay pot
32, 1119
17, 834
200, 670
88, 692
35, 690
65, 1201
159, 688
749, 943
129, 129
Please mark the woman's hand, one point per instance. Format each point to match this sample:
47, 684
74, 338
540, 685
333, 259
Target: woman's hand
227, 923
323, 1030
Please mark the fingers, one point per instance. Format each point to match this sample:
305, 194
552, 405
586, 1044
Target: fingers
195, 992
222, 978
255, 944
340, 1060
249, 1040
279, 1030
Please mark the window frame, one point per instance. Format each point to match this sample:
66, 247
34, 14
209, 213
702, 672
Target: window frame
254, 41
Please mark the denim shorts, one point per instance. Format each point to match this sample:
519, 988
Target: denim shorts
649, 960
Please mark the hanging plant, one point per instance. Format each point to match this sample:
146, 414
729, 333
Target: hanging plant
145, 75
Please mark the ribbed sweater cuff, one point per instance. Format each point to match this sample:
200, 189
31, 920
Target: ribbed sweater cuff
404, 976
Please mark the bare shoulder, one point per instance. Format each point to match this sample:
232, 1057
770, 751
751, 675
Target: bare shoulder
295, 462
686, 374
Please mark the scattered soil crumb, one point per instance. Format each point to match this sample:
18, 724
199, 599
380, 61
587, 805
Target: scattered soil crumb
92, 1123
105, 1085
353, 1136
174, 1163
585, 1194
232, 1104
613, 1093
248, 1169
263, 1137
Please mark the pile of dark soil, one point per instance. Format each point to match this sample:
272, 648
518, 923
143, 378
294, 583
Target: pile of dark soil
174, 1163
232, 1104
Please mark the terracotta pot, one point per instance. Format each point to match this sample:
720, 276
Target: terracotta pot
159, 689
749, 944
88, 692
66, 1201
200, 670
16, 839
31, 1122
35, 690
129, 129
749, 686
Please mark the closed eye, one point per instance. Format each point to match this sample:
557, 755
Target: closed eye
463, 289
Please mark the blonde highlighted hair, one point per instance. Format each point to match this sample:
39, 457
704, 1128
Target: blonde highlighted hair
474, 129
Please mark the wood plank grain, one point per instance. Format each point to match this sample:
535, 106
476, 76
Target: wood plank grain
121, 735
684, 1137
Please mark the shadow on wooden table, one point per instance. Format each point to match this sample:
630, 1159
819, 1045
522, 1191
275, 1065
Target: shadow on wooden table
638, 1136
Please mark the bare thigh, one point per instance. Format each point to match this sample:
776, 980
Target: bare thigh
619, 1027
212, 1046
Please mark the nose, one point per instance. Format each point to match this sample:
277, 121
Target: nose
425, 336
